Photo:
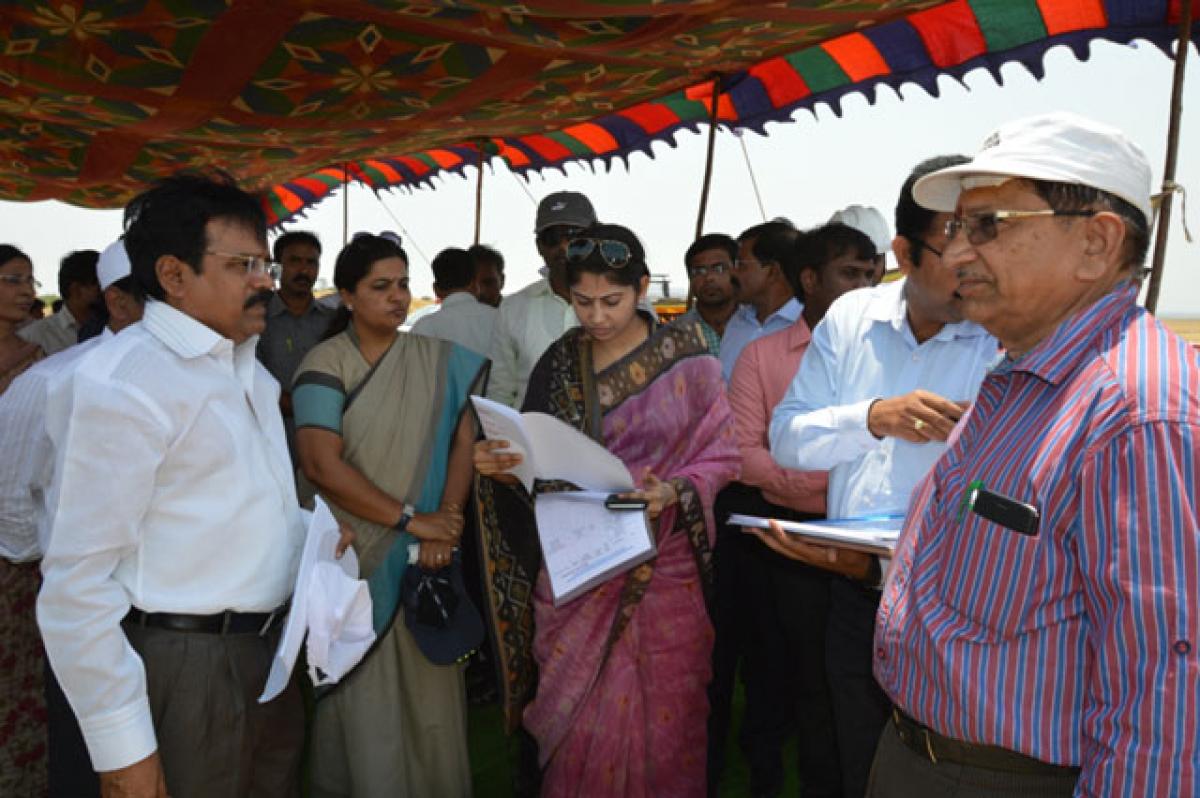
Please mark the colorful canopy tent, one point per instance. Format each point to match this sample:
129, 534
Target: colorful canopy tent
98, 99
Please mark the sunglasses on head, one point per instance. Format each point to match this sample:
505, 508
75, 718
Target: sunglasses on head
386, 234
555, 234
616, 254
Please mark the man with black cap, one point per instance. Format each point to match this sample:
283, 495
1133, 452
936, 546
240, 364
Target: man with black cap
1040, 627
534, 317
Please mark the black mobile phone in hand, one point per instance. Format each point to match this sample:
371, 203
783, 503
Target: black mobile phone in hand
616, 501
1008, 513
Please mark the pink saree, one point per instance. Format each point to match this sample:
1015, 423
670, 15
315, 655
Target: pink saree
620, 706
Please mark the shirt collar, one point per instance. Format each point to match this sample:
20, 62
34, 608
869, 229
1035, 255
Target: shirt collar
790, 311
798, 334
277, 307
181, 333
1056, 356
66, 318
889, 305
459, 298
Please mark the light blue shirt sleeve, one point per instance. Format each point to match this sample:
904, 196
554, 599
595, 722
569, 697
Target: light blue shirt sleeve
810, 429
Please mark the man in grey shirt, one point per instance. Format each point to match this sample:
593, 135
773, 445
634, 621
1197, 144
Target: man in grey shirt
295, 321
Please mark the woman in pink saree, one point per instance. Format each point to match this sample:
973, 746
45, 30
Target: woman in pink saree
619, 706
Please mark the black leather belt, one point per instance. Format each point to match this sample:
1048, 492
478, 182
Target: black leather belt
938, 748
222, 623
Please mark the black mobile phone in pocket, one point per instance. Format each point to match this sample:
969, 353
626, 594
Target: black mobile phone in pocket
1008, 513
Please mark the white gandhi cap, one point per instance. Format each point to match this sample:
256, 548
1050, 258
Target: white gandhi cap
113, 264
868, 221
1061, 147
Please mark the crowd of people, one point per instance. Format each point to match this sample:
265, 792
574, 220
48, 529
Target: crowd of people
164, 435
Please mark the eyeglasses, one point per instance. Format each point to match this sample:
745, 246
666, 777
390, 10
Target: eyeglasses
20, 279
921, 244
254, 264
616, 254
984, 227
555, 234
746, 263
712, 268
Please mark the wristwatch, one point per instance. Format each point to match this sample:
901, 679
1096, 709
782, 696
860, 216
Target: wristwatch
405, 517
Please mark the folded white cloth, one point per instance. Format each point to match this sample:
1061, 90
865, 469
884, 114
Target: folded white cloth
339, 623
331, 606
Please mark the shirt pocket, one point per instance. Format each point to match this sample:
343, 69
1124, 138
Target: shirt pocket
992, 579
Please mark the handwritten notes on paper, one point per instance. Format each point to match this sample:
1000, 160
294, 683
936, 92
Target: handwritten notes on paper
584, 543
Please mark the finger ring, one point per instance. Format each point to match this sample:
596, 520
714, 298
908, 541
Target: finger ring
918, 425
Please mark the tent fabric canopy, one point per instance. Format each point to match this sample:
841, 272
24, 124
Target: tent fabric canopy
97, 100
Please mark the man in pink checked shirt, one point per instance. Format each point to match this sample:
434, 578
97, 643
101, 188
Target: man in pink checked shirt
1038, 631
785, 652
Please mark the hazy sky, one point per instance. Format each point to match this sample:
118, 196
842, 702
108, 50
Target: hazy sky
806, 169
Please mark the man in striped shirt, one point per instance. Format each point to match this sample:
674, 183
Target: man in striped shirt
1038, 632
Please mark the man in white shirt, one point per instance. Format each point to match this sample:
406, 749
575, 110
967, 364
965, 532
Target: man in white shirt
462, 318
175, 532
25, 476
888, 373
28, 463
80, 294
537, 315
768, 301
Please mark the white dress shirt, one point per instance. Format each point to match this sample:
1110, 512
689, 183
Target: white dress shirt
172, 493
861, 351
526, 324
463, 320
53, 333
28, 460
743, 327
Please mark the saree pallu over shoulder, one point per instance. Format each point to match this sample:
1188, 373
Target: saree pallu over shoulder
661, 407
397, 420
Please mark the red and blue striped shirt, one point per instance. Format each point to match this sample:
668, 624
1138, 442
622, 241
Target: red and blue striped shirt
1077, 645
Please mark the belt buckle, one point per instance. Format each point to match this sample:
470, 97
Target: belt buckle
929, 745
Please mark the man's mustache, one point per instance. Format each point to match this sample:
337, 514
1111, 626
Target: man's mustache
260, 298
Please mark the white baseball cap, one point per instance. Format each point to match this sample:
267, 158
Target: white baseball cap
113, 264
1061, 147
868, 221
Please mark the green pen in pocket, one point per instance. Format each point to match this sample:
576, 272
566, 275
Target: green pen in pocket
968, 501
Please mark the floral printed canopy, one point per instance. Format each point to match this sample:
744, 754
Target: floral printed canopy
98, 99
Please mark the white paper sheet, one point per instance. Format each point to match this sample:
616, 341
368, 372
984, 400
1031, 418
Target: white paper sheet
552, 449
319, 545
873, 535
584, 543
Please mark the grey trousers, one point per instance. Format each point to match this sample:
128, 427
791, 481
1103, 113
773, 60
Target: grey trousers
214, 738
899, 772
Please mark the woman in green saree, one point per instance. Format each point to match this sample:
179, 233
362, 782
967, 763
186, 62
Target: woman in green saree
382, 435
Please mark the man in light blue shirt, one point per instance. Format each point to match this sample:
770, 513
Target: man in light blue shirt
768, 300
888, 373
